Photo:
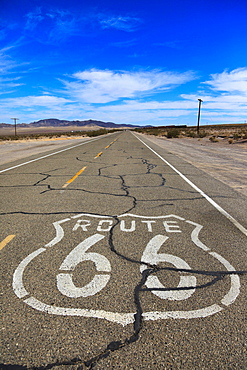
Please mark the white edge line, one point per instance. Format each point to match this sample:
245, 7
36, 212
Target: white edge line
49, 155
210, 200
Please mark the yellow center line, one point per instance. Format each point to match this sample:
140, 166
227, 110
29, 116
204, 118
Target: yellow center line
74, 177
108, 146
78, 173
98, 155
6, 241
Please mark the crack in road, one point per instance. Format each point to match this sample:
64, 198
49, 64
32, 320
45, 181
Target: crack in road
138, 318
139, 288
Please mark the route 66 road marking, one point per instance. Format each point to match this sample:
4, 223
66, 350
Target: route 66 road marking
99, 227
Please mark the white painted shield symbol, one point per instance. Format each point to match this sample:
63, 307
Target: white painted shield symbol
166, 246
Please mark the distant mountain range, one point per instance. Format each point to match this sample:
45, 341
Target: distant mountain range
53, 122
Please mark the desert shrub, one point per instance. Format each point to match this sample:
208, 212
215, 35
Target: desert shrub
202, 134
236, 136
101, 131
191, 134
213, 139
97, 132
55, 135
141, 130
230, 141
7, 137
154, 131
172, 133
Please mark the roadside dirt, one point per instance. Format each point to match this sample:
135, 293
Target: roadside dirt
18, 149
225, 162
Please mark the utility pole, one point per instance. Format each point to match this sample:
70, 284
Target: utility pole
15, 119
199, 112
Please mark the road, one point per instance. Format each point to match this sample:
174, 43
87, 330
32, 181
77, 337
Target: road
117, 254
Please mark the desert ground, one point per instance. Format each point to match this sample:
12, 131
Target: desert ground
20, 149
41, 130
5, 131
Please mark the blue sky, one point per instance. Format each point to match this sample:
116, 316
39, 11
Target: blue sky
139, 62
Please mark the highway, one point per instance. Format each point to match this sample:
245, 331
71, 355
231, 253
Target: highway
117, 254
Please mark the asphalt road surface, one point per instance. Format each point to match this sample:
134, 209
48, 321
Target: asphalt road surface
116, 254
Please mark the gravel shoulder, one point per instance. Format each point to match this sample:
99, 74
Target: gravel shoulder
225, 162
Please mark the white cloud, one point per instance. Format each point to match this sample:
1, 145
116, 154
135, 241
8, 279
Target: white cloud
226, 98
5, 61
173, 44
7, 75
123, 23
104, 86
236, 80
227, 94
108, 86
135, 112
34, 101
123, 100
124, 44
33, 19
49, 26
31, 108
7, 86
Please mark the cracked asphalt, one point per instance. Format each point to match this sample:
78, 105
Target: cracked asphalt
119, 255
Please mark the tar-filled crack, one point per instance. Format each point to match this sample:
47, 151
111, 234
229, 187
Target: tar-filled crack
37, 183
139, 288
83, 160
127, 194
138, 316
150, 166
46, 176
102, 168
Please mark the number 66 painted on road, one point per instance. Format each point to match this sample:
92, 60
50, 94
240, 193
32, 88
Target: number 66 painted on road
150, 255
77, 255
81, 253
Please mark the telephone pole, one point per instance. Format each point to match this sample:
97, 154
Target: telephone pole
199, 112
15, 119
